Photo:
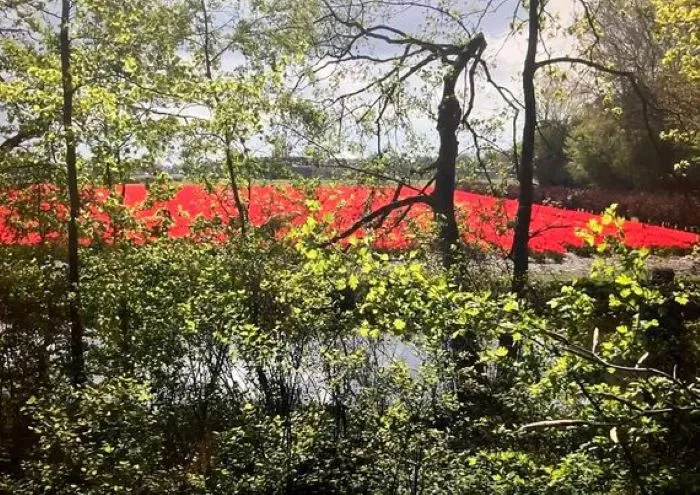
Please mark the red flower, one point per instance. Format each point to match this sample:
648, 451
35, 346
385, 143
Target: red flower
486, 221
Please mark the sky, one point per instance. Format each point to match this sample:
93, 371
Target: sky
505, 55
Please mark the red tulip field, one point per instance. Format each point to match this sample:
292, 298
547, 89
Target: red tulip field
485, 220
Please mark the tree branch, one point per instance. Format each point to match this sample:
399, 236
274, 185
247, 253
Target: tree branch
22, 135
622, 73
563, 423
596, 358
379, 212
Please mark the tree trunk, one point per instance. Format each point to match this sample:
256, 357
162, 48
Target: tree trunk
242, 212
522, 226
449, 119
230, 167
77, 362
449, 114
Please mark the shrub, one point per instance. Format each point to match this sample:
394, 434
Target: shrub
550, 161
266, 367
599, 152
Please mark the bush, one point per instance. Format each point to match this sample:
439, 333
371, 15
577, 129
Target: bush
609, 152
599, 151
550, 161
101, 439
263, 366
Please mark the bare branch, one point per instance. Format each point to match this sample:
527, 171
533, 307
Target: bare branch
397, 194
379, 212
563, 423
622, 73
415, 68
384, 33
20, 137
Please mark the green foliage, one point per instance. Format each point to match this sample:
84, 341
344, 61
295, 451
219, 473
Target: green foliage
265, 365
550, 159
653, 104
678, 20
278, 366
605, 152
676, 27
598, 152
123, 59
101, 439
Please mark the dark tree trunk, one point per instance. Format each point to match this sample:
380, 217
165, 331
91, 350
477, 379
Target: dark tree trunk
77, 362
522, 226
441, 200
449, 119
449, 114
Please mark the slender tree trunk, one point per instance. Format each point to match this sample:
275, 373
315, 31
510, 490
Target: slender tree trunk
230, 166
77, 364
242, 212
522, 226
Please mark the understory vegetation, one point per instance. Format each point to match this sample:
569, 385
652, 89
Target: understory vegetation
265, 366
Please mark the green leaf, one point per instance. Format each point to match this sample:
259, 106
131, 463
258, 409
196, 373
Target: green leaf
511, 306
500, 352
399, 325
624, 279
313, 205
682, 299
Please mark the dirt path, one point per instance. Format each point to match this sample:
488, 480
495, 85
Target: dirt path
573, 266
